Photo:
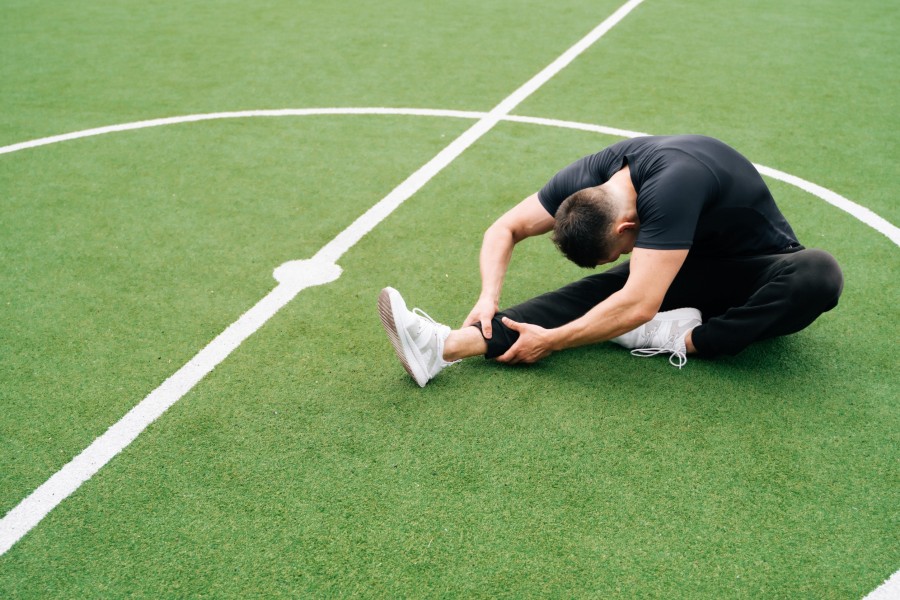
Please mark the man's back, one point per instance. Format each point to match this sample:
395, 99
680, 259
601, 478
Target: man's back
693, 192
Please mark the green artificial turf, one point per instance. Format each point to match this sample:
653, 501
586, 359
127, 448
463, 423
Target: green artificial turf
308, 464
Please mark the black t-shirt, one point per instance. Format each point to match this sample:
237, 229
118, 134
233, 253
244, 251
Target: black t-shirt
692, 192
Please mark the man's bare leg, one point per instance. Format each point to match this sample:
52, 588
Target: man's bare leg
463, 343
689, 342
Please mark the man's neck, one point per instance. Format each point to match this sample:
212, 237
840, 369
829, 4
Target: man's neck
622, 189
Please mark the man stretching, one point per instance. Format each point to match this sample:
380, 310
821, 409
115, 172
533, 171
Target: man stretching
708, 247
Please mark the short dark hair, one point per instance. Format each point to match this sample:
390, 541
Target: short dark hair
582, 228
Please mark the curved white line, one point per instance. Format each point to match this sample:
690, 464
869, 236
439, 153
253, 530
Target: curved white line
859, 212
590, 127
244, 114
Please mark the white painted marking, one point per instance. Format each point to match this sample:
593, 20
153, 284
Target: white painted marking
889, 590
860, 212
852, 208
575, 125
289, 112
293, 277
857, 211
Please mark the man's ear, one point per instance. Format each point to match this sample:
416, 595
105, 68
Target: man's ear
625, 226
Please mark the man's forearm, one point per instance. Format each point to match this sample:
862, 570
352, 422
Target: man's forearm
651, 274
614, 316
528, 218
496, 252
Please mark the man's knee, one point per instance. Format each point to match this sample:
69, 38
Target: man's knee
817, 279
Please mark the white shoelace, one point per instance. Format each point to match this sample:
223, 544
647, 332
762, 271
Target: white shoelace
676, 359
422, 313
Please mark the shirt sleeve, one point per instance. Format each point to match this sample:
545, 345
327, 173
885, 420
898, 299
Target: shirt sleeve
583, 173
670, 205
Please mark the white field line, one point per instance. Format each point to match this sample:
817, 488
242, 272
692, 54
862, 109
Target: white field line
372, 217
889, 590
32, 509
857, 211
289, 112
860, 212
292, 277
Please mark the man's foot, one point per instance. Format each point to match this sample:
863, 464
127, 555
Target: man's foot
664, 333
417, 339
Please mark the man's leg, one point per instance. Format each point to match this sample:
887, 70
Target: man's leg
742, 300
752, 299
464, 343
556, 308
426, 347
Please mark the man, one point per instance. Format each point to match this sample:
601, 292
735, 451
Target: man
708, 247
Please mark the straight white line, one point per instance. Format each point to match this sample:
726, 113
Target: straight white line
347, 238
517, 97
293, 277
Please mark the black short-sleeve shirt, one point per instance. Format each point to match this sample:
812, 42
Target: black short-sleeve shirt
692, 192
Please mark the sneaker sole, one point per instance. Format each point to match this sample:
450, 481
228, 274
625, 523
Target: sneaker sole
386, 312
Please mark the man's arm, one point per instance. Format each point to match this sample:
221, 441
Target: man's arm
651, 274
526, 219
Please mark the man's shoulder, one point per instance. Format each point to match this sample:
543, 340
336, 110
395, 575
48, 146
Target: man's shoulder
587, 171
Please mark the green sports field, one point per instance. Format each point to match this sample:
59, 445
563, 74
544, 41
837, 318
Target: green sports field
306, 463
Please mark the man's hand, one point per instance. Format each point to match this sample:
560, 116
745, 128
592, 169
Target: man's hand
483, 311
534, 343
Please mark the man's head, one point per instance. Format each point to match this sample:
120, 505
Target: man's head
589, 227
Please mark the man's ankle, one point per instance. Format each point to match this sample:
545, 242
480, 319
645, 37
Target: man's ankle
689, 342
463, 343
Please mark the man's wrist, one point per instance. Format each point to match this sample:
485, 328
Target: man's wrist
558, 339
489, 297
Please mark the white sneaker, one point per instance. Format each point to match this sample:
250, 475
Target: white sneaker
664, 333
417, 339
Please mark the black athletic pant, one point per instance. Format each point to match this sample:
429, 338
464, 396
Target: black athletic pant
742, 300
